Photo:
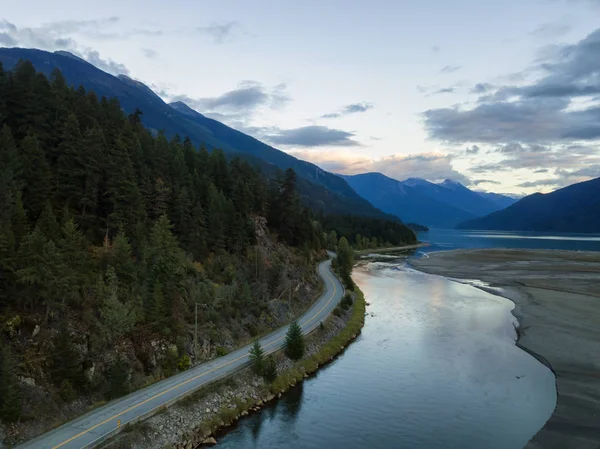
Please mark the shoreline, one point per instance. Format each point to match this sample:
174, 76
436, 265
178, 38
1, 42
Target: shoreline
250, 394
305, 368
556, 296
390, 249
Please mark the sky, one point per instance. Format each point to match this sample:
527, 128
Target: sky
500, 96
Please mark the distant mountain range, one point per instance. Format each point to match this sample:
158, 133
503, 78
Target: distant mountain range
319, 189
416, 200
575, 208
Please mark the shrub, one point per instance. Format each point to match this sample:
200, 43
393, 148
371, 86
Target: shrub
270, 369
346, 302
221, 351
117, 379
184, 362
67, 392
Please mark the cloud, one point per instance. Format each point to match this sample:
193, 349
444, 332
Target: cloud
432, 166
149, 53
311, 136
349, 109
237, 106
540, 182
541, 170
450, 68
108, 65
220, 33
5, 39
445, 90
476, 182
481, 88
552, 30
472, 150
538, 112
436, 48
62, 35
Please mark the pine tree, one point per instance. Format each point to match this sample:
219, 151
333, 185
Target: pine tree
71, 172
257, 358
294, 342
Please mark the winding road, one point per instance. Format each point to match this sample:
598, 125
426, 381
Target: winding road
98, 425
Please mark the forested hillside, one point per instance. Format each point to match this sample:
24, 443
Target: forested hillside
111, 236
318, 188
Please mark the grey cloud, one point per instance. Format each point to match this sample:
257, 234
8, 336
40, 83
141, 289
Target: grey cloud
108, 65
220, 33
515, 147
436, 48
349, 109
62, 35
5, 39
64, 43
541, 182
552, 30
541, 170
445, 90
239, 102
450, 68
534, 113
149, 53
481, 88
312, 136
484, 181
592, 171
472, 150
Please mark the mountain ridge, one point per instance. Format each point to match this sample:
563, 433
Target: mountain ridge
417, 200
575, 208
158, 115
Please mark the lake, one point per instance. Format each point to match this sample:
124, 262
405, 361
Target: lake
447, 239
435, 367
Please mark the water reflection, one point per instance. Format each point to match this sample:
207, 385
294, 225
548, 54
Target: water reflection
435, 367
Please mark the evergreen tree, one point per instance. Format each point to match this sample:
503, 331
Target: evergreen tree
257, 358
36, 176
294, 342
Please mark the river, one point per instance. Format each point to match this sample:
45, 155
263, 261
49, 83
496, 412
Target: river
435, 367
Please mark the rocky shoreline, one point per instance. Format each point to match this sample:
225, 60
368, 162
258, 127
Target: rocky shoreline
557, 303
197, 420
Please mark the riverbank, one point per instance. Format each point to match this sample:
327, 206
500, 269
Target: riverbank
209, 412
557, 303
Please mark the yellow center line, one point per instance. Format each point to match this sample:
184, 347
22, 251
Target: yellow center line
184, 382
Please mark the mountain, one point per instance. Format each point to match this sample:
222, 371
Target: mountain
318, 188
420, 201
502, 201
575, 208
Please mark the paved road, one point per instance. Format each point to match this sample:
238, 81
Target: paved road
91, 429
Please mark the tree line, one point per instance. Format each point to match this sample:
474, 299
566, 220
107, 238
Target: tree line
111, 230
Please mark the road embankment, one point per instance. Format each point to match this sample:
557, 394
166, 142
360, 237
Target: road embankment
557, 303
